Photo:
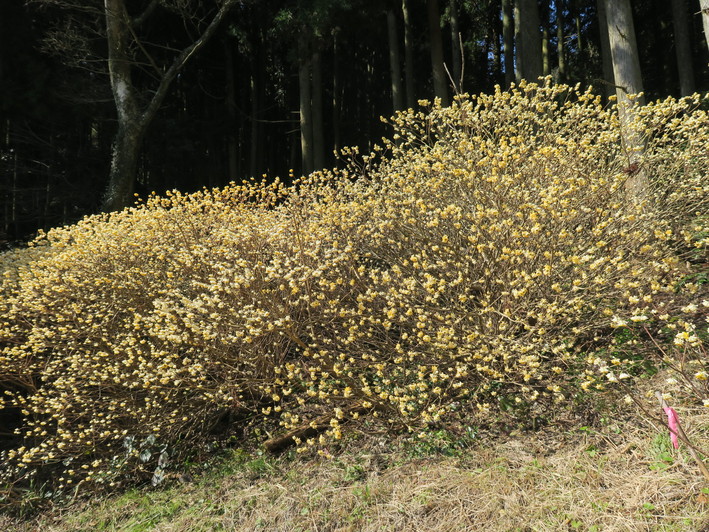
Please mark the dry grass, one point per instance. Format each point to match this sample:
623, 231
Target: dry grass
622, 476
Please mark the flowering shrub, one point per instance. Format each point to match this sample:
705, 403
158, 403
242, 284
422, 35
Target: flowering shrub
477, 262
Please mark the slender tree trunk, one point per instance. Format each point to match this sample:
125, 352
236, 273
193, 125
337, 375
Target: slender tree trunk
134, 118
624, 49
455, 45
544, 13
306, 113
518, 40
255, 91
496, 32
397, 91
440, 85
683, 48
662, 54
231, 138
508, 32
560, 50
546, 69
606, 58
318, 126
408, 56
336, 94
626, 70
577, 20
529, 47
369, 108
704, 7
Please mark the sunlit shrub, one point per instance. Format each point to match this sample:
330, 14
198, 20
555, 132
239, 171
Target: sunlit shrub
478, 262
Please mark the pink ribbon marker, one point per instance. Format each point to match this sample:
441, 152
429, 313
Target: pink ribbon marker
672, 423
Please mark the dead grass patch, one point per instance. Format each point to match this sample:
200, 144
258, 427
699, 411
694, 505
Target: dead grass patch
622, 476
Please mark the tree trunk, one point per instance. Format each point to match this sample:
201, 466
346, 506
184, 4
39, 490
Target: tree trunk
456, 53
529, 47
508, 31
131, 125
518, 40
683, 48
231, 137
306, 113
440, 86
408, 56
545, 52
133, 119
626, 70
318, 126
624, 49
704, 6
397, 90
255, 91
336, 94
125, 154
559, 4
544, 16
662, 53
496, 33
606, 58
577, 21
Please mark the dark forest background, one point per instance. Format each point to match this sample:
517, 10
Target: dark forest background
235, 110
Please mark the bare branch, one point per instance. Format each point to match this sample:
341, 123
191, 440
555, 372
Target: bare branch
138, 21
142, 48
183, 58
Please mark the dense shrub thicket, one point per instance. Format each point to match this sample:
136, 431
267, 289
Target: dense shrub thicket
486, 259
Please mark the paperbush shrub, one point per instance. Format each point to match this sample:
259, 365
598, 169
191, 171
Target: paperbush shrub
478, 261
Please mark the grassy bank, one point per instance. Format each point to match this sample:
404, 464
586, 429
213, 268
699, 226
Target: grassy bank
620, 475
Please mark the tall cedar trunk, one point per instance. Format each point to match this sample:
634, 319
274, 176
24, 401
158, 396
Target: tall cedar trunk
134, 120
318, 126
255, 91
626, 70
546, 69
546, 58
683, 48
606, 58
306, 113
231, 137
456, 53
408, 56
560, 50
518, 40
577, 20
663, 56
496, 32
440, 87
397, 91
704, 7
508, 31
336, 94
530, 45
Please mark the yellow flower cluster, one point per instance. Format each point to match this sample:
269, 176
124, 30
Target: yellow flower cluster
467, 266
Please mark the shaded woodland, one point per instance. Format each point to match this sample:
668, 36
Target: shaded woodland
278, 86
